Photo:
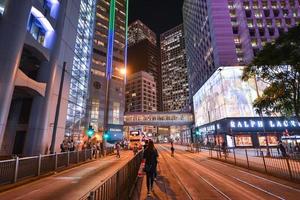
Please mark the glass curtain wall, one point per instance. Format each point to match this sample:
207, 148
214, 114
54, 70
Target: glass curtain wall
81, 69
2, 6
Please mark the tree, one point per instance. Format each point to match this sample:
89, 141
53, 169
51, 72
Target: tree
278, 65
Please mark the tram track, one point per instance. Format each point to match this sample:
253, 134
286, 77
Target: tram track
176, 177
217, 171
217, 192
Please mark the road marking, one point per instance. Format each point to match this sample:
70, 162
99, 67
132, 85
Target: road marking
29, 193
283, 185
219, 191
260, 189
265, 191
67, 178
286, 186
262, 178
176, 176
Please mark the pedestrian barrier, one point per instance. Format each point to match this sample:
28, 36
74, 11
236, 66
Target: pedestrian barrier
18, 169
273, 164
119, 185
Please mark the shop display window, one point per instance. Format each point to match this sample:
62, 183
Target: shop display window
272, 140
243, 141
211, 139
219, 140
230, 142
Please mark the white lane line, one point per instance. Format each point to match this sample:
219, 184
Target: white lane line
286, 186
67, 178
260, 189
219, 191
262, 178
176, 177
27, 194
265, 191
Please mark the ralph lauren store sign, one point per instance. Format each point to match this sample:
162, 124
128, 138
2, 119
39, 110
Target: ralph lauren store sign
255, 124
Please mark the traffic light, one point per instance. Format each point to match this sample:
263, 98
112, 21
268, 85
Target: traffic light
106, 134
90, 132
198, 131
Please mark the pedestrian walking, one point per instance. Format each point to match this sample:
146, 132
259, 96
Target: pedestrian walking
145, 145
282, 149
224, 149
135, 149
118, 147
62, 147
94, 150
71, 145
150, 156
172, 150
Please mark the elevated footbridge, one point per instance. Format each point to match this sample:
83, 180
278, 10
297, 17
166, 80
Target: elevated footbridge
158, 118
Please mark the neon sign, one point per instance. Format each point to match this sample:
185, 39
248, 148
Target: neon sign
111, 39
271, 123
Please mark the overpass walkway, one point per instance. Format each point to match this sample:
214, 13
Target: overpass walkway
159, 119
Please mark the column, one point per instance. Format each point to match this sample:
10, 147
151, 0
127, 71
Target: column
12, 35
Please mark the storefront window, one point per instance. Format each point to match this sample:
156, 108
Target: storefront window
230, 142
219, 140
243, 141
272, 140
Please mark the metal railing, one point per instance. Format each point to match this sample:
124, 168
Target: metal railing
276, 165
119, 185
18, 169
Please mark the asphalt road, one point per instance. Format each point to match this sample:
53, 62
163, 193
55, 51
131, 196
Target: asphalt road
70, 184
198, 177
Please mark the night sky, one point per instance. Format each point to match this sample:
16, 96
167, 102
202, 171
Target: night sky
159, 15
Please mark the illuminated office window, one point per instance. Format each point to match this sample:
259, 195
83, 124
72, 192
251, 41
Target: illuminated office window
116, 113
2, 6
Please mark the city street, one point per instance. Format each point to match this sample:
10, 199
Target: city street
72, 183
195, 176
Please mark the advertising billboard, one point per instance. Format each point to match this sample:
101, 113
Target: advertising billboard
225, 95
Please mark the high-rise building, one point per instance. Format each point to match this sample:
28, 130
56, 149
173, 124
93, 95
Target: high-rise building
138, 31
140, 93
31, 60
80, 74
175, 88
231, 32
143, 55
109, 62
223, 36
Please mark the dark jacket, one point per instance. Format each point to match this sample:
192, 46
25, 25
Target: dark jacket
151, 158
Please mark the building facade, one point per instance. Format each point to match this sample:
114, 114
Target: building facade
141, 93
143, 55
231, 32
31, 63
108, 63
138, 31
175, 88
80, 74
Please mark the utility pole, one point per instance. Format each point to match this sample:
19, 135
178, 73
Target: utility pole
57, 108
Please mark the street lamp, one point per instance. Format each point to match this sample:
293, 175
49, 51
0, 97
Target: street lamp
123, 71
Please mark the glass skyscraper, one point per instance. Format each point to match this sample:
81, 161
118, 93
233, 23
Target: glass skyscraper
231, 32
175, 88
78, 95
